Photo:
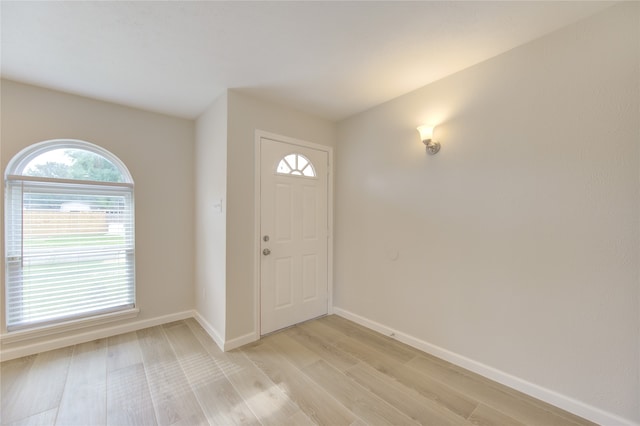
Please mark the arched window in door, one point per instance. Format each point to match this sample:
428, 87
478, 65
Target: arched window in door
296, 165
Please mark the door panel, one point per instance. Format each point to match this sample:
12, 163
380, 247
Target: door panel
283, 211
282, 282
309, 277
293, 224
309, 208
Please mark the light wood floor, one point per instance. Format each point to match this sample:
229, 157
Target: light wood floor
329, 371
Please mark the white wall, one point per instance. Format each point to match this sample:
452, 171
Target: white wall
211, 217
159, 152
245, 116
517, 245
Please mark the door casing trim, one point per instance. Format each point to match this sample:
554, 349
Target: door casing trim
259, 134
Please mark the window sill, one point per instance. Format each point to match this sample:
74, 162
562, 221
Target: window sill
48, 330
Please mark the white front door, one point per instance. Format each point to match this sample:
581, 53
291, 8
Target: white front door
293, 226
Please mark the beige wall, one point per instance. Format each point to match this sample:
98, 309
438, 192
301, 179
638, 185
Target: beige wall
159, 152
211, 218
246, 115
515, 247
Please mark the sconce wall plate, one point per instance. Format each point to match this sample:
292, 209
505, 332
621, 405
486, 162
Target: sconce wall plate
432, 146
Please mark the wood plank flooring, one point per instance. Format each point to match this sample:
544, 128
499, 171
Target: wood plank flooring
328, 371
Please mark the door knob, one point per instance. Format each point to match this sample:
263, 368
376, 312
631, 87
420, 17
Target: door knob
266, 252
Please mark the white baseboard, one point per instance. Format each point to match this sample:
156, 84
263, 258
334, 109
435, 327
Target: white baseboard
224, 345
240, 341
43, 345
564, 402
211, 331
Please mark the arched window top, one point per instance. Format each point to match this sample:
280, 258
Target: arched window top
296, 165
69, 159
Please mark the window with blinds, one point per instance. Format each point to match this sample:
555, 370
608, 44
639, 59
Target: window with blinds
69, 234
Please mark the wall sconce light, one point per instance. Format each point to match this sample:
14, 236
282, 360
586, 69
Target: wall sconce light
426, 134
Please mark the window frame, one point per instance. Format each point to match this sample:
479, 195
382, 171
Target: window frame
15, 172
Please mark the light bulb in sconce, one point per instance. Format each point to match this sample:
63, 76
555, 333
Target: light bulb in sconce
426, 135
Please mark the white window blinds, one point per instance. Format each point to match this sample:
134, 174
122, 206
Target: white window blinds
69, 249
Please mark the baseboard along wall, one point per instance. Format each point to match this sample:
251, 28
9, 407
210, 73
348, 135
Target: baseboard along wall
44, 344
564, 402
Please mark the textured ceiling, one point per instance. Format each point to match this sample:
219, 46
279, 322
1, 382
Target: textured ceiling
332, 59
